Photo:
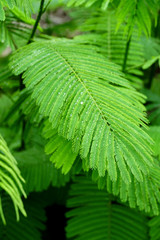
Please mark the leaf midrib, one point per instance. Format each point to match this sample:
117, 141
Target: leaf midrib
81, 81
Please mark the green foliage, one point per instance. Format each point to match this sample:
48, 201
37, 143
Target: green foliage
26, 6
38, 171
16, 29
151, 61
81, 97
153, 106
113, 45
81, 117
137, 13
28, 228
96, 215
10, 180
154, 225
145, 195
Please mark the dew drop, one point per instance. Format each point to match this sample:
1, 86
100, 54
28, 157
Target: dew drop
82, 102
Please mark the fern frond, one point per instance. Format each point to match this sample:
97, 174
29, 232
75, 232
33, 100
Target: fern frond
39, 173
25, 104
145, 195
113, 48
59, 148
16, 29
90, 103
139, 13
113, 45
10, 179
25, 6
28, 228
95, 215
154, 230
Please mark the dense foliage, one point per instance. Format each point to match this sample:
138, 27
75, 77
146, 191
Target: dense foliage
80, 118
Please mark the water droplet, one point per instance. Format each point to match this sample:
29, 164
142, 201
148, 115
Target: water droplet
82, 102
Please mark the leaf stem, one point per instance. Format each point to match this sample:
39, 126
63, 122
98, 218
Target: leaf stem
37, 21
22, 86
126, 55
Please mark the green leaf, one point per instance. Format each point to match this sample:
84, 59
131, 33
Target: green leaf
16, 29
137, 13
39, 173
145, 195
113, 45
83, 95
154, 230
94, 214
151, 61
28, 228
10, 179
59, 149
126, 187
26, 6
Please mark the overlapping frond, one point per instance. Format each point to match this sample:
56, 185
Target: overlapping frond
145, 195
59, 149
25, 5
95, 215
39, 173
90, 103
154, 230
10, 180
113, 44
29, 108
139, 13
16, 29
28, 228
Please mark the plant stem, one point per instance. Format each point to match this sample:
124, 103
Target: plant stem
22, 147
126, 55
151, 75
37, 21
22, 86
156, 32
